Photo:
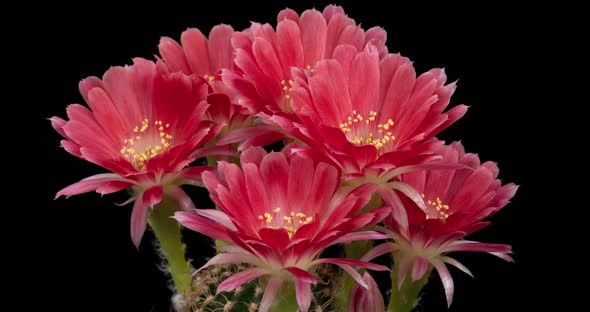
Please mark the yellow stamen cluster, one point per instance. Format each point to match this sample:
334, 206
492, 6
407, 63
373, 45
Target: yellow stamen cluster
442, 209
354, 125
308, 67
287, 87
290, 222
209, 77
135, 148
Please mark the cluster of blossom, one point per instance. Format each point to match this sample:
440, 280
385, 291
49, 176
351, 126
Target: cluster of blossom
360, 160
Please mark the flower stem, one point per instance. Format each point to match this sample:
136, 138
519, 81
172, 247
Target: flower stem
167, 231
355, 250
404, 299
286, 299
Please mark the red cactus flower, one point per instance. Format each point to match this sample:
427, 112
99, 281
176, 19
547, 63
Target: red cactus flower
206, 57
278, 213
145, 125
457, 201
368, 115
265, 57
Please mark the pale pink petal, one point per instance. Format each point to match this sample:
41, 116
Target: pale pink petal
410, 192
379, 250
139, 217
464, 245
218, 217
369, 299
91, 183
357, 263
364, 235
419, 268
303, 294
456, 264
270, 291
446, 279
181, 198
240, 278
229, 258
202, 225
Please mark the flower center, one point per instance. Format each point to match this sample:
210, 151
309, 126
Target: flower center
288, 221
146, 143
361, 130
209, 77
436, 209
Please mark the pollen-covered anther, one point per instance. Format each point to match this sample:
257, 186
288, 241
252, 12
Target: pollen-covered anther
287, 87
290, 222
441, 209
148, 142
209, 77
361, 130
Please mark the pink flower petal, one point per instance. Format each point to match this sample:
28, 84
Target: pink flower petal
313, 36
220, 45
194, 45
303, 294
181, 198
364, 235
229, 258
91, 183
139, 217
419, 268
218, 217
456, 264
379, 250
302, 275
173, 55
290, 49
152, 196
446, 279
202, 225
270, 291
240, 278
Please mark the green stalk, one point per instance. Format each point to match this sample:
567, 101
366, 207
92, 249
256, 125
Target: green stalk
167, 231
404, 299
286, 300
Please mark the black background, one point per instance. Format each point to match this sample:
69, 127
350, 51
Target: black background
522, 68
